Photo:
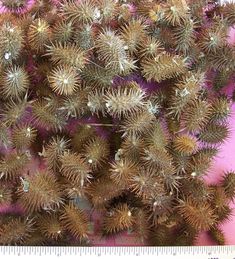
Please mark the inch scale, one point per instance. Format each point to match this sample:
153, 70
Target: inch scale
193, 252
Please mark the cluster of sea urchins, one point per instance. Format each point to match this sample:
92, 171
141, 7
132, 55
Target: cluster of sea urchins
117, 103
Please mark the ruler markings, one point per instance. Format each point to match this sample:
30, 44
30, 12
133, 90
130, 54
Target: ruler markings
207, 252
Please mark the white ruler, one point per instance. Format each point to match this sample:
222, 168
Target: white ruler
194, 252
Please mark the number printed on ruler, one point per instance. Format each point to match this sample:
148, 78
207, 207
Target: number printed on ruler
193, 252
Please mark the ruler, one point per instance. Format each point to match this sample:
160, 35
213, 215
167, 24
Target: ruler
193, 252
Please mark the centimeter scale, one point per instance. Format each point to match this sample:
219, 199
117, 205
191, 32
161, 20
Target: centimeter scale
193, 252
